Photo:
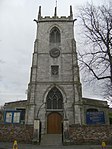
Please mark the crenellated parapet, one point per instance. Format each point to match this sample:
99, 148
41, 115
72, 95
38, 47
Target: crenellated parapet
55, 17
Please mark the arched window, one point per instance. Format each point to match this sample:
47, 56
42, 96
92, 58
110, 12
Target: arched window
54, 99
55, 36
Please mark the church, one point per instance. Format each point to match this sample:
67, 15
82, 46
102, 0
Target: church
54, 90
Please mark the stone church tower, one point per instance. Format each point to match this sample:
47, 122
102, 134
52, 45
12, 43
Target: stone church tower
54, 90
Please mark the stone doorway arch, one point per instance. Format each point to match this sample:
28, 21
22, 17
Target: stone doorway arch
54, 109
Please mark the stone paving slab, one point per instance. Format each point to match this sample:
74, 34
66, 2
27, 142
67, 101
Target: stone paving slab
7, 145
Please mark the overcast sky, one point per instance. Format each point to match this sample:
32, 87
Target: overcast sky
17, 35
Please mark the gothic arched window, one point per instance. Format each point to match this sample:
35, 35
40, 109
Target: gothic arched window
54, 99
55, 36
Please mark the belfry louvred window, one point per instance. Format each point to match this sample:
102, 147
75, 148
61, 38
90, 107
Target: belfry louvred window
55, 36
54, 99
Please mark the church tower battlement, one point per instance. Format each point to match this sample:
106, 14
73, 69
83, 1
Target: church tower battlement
55, 17
54, 90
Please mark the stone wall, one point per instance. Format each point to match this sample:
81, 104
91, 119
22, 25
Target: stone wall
78, 134
93, 134
11, 132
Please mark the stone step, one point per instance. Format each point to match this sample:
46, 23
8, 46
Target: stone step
51, 139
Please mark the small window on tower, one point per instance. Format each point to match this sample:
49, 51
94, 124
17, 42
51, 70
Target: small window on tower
54, 70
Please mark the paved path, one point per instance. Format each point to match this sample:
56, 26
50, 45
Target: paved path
52, 139
7, 145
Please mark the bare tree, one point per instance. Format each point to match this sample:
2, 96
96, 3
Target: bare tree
97, 28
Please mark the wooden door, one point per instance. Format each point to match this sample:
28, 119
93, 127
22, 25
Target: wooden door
54, 123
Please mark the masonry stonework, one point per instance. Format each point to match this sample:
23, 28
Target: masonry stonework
67, 80
78, 134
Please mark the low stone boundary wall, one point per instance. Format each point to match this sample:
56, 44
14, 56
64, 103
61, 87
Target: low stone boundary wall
78, 134
19, 132
90, 134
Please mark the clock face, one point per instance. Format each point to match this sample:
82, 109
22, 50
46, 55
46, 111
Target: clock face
54, 52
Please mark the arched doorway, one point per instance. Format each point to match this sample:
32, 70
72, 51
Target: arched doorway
54, 106
54, 123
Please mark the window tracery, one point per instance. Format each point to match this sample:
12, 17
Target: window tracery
54, 99
55, 35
